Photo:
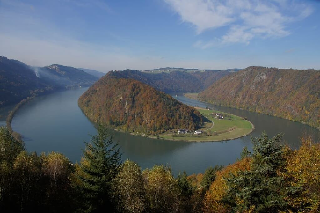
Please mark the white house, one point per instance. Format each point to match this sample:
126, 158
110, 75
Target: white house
197, 132
182, 131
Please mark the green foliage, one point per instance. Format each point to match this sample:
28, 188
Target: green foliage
99, 166
261, 188
9, 147
162, 191
56, 173
270, 179
129, 189
186, 193
209, 176
28, 189
245, 153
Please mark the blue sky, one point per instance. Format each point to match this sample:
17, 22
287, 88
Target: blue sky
147, 34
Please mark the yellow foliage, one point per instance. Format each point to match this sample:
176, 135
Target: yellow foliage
212, 200
303, 170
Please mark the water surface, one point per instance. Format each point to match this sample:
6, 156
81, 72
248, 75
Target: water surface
55, 123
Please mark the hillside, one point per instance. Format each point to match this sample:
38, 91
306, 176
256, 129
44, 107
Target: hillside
132, 106
175, 81
95, 73
18, 80
286, 93
66, 76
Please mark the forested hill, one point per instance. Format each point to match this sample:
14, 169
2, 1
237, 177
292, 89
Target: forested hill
175, 81
287, 93
19, 81
132, 106
66, 76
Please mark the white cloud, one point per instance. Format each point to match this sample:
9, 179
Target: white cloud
202, 14
245, 19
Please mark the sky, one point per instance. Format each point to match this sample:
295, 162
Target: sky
146, 34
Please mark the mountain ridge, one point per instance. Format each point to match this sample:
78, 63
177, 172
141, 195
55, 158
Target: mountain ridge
175, 81
287, 93
19, 80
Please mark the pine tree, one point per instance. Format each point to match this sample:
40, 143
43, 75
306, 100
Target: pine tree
262, 188
99, 166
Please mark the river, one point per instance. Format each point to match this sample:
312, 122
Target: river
55, 123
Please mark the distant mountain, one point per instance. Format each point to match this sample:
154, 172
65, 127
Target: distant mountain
66, 76
133, 106
94, 72
18, 80
286, 93
175, 81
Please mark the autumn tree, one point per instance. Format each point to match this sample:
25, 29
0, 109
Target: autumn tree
209, 176
56, 171
129, 189
162, 192
262, 188
94, 177
303, 175
28, 188
213, 200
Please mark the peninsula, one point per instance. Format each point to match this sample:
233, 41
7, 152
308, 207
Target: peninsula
128, 105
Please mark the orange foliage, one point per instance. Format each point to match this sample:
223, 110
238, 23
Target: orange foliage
212, 201
303, 170
132, 106
290, 94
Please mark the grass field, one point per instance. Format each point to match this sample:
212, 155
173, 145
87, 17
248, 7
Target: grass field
214, 129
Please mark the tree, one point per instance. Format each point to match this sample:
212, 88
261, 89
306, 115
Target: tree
162, 192
186, 193
262, 188
9, 150
99, 166
56, 171
129, 188
9, 146
303, 175
28, 190
213, 201
209, 176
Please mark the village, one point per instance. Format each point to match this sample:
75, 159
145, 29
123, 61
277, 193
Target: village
199, 132
217, 126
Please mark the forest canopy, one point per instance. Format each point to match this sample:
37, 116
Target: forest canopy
132, 106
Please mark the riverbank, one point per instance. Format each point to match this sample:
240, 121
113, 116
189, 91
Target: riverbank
16, 135
194, 96
219, 126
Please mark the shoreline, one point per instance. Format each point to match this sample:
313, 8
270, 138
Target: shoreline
194, 96
213, 140
10, 117
180, 139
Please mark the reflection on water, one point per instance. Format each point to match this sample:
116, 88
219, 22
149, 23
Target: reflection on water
55, 123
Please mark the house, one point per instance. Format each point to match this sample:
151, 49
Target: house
219, 116
182, 131
197, 132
